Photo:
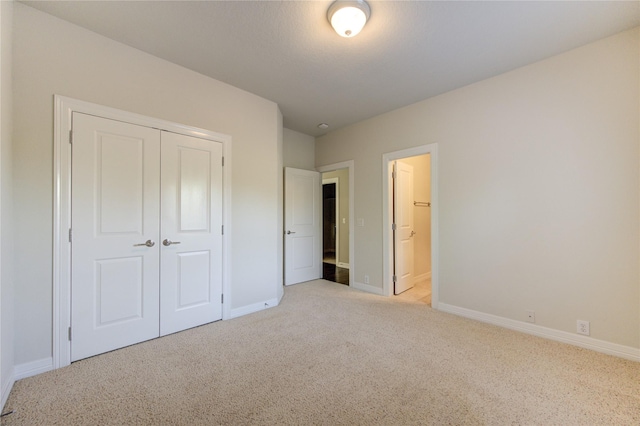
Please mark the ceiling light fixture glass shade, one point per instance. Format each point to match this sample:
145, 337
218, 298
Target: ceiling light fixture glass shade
348, 17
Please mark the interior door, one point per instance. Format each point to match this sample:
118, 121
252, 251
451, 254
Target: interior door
404, 227
302, 243
115, 222
191, 247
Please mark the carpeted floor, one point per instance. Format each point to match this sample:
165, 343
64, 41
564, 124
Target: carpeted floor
332, 355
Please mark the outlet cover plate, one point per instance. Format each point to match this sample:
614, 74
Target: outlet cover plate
583, 327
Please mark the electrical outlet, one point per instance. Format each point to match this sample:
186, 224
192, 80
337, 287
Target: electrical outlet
366, 279
531, 316
583, 327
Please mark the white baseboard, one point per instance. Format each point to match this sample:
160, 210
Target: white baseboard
256, 307
586, 342
367, 287
343, 265
32, 368
6, 390
422, 277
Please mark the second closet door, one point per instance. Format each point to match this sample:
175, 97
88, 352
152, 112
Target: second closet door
191, 232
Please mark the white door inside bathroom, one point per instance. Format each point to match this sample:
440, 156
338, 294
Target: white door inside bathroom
146, 221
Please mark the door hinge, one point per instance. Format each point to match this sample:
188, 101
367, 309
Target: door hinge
70, 234
393, 175
70, 136
222, 229
222, 161
222, 298
393, 226
69, 333
394, 278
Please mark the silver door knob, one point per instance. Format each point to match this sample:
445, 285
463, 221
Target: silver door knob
289, 232
167, 242
148, 243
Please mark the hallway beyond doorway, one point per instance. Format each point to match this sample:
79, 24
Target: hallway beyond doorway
332, 272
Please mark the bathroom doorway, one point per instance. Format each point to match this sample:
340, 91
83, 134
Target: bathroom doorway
412, 231
410, 224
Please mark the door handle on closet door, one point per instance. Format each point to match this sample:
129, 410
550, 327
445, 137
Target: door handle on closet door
167, 242
148, 243
290, 232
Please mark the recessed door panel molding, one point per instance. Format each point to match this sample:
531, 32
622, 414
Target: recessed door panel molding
194, 190
119, 184
119, 290
304, 191
302, 227
193, 279
191, 252
303, 251
115, 263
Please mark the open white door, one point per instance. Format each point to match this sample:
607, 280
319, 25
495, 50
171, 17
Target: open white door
191, 246
115, 221
302, 242
404, 229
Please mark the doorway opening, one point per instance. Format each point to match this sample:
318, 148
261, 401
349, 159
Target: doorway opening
337, 227
330, 214
410, 224
412, 230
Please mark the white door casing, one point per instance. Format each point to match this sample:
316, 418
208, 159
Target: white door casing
191, 247
302, 227
404, 226
115, 203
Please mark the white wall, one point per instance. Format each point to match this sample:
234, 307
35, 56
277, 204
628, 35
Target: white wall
51, 57
6, 203
538, 189
299, 150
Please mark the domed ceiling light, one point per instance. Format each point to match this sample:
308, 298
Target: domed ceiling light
348, 17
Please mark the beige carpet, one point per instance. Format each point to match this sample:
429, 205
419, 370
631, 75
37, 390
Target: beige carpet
332, 355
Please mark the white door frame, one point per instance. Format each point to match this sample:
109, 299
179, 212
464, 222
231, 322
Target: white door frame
335, 181
387, 218
63, 109
350, 164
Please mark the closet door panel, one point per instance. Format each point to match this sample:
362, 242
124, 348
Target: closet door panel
191, 252
115, 211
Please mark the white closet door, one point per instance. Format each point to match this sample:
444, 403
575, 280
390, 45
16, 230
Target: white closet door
115, 211
191, 246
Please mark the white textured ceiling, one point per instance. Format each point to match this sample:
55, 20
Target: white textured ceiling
287, 52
